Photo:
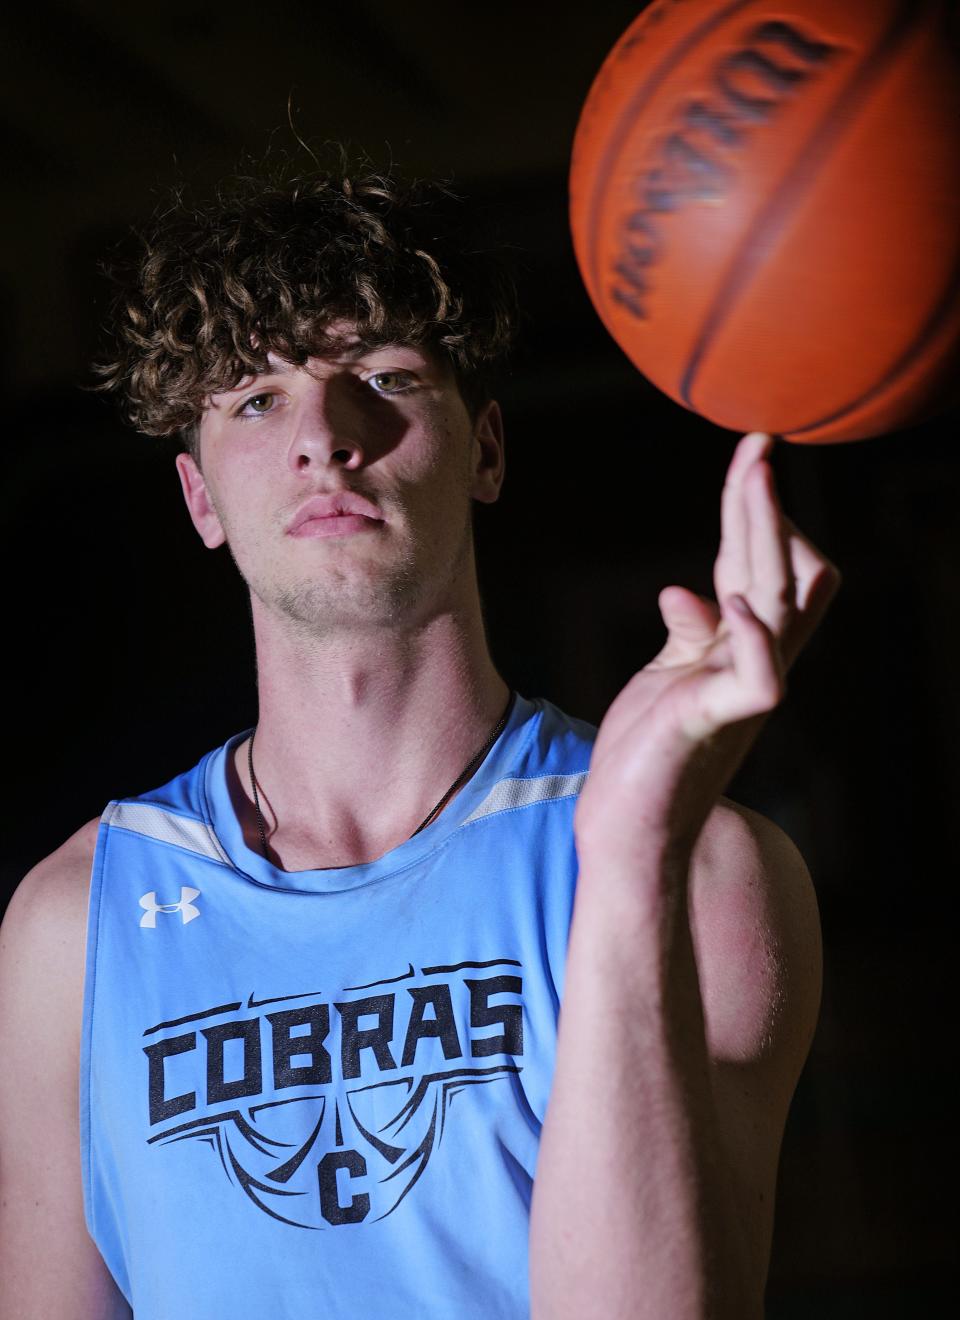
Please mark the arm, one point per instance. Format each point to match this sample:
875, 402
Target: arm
756, 936
692, 977
51, 1269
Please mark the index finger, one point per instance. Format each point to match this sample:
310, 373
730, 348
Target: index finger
733, 569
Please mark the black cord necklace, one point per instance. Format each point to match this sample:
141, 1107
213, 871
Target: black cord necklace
461, 778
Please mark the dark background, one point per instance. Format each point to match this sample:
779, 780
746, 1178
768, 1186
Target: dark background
127, 643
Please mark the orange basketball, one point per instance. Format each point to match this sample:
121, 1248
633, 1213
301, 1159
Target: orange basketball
765, 201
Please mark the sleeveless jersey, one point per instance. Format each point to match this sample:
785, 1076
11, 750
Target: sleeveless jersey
320, 1093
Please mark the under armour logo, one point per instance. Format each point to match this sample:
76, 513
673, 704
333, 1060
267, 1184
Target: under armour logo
186, 907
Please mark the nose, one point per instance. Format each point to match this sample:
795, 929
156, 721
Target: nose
328, 431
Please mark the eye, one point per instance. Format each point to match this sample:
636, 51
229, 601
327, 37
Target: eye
390, 382
257, 405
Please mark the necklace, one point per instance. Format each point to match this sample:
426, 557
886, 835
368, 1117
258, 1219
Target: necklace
461, 778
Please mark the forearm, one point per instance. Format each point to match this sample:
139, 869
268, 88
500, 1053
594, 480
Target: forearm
633, 1214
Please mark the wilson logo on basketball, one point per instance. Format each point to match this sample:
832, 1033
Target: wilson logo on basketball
697, 159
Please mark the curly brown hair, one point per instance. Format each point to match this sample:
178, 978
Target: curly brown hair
271, 263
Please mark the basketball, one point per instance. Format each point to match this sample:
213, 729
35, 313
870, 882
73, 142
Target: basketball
765, 206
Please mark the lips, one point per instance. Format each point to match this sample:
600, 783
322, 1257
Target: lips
325, 514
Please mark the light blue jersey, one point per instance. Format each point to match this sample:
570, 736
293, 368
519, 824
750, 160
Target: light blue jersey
320, 1093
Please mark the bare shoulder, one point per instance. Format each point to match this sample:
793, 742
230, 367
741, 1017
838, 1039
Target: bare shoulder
45, 922
59, 873
49, 1263
756, 930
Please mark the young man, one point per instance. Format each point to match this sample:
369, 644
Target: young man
310, 990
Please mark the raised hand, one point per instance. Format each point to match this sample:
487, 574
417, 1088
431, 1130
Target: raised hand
674, 736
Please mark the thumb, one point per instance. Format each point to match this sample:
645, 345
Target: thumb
691, 620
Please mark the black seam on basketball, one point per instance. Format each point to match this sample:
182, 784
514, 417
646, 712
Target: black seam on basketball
927, 333
836, 120
636, 104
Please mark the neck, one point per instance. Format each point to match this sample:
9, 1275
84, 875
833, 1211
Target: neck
360, 734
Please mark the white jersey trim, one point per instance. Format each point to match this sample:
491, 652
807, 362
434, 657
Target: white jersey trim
195, 836
166, 827
511, 793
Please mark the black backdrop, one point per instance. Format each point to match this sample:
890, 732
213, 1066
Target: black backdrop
127, 644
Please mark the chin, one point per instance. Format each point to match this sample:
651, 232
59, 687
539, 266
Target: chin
321, 609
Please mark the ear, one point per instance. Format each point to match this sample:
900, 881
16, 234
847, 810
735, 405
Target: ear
202, 513
489, 453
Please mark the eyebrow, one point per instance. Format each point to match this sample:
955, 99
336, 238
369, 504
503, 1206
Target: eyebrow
347, 353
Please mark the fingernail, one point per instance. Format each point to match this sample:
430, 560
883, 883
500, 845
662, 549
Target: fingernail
739, 604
